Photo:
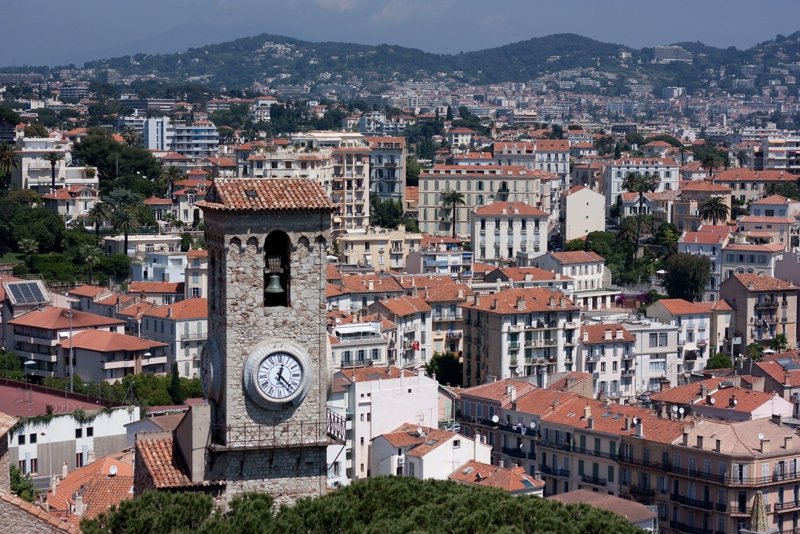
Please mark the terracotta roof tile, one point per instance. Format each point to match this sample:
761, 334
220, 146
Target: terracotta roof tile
510, 208
683, 307
155, 287
273, 195
523, 300
370, 373
746, 175
52, 318
509, 479
87, 291
196, 308
759, 282
576, 256
101, 341
404, 306
597, 333
162, 462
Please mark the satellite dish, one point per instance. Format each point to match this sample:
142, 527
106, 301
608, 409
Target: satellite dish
635, 420
760, 436
112, 470
521, 446
674, 409
712, 401
735, 402
681, 410
419, 431
532, 425
495, 419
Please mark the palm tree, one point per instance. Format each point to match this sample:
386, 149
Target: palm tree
131, 136
28, 246
98, 215
90, 254
743, 157
640, 184
714, 209
711, 160
169, 177
125, 220
53, 158
627, 230
8, 161
453, 199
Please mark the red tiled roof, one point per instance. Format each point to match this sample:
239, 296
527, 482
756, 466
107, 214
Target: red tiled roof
597, 333
403, 306
101, 341
522, 300
370, 373
576, 256
703, 186
273, 195
411, 193
196, 308
55, 521
746, 175
87, 291
52, 318
155, 287
683, 307
760, 282
197, 253
157, 201
772, 200
521, 274
509, 479
162, 462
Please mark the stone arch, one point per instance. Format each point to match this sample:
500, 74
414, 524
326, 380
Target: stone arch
277, 269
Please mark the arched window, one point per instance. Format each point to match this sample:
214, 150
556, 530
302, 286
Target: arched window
277, 276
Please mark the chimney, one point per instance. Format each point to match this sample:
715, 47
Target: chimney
640, 429
563, 302
718, 445
786, 380
585, 335
685, 441
590, 420
699, 442
620, 334
733, 402
370, 285
703, 391
493, 305
460, 294
521, 304
64, 470
787, 442
169, 311
607, 335
558, 276
764, 446
476, 299
501, 464
627, 423
513, 393
79, 508
53, 484
587, 412
552, 301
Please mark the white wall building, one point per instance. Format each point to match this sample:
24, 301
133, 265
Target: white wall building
183, 326
503, 231
667, 171
582, 211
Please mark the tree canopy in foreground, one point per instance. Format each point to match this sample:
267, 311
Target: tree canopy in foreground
386, 505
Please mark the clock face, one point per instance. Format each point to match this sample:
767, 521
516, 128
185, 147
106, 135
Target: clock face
280, 375
277, 375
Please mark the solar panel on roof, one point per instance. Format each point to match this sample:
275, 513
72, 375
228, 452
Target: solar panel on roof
791, 366
617, 416
605, 414
27, 293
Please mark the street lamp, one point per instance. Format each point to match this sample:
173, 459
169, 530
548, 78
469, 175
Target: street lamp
68, 314
27, 364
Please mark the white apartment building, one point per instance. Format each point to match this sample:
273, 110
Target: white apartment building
375, 400
183, 326
693, 320
519, 332
782, 153
514, 153
480, 185
358, 344
196, 140
34, 172
775, 206
161, 266
709, 243
413, 341
440, 255
503, 231
196, 274
667, 170
656, 354
110, 356
607, 352
590, 275
582, 212
425, 453
387, 167
739, 256
552, 155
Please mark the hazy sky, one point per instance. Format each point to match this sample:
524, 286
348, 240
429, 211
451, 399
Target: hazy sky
57, 32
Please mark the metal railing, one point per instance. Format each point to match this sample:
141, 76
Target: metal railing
290, 434
590, 479
697, 503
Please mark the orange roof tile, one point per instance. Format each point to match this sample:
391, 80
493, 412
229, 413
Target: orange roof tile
162, 462
273, 195
196, 308
597, 333
576, 256
510, 208
523, 300
87, 291
370, 373
52, 318
404, 306
101, 341
746, 175
683, 307
509, 479
197, 253
760, 282
155, 287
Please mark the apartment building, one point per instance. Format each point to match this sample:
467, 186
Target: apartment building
607, 351
183, 327
353, 292
764, 307
480, 185
743, 256
686, 208
375, 400
525, 277
749, 186
505, 231
413, 336
196, 140
441, 256
708, 243
72, 202
694, 331
779, 230
382, 249
655, 353
591, 278
667, 171
387, 167
519, 332
447, 316
514, 153
195, 274
582, 212
781, 153
110, 356
552, 156
356, 344
775, 206
34, 172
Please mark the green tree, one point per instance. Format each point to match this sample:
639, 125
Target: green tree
22, 485
167, 512
98, 215
779, 343
755, 351
714, 209
640, 184
453, 199
167, 180
8, 162
687, 276
711, 159
449, 115
446, 367
90, 254
126, 221
413, 168
53, 158
36, 130
667, 237
175, 386
719, 361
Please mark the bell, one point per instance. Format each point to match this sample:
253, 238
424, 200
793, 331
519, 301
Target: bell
274, 285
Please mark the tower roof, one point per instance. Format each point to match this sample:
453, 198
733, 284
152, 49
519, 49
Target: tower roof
270, 195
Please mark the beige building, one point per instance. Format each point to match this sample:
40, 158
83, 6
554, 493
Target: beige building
196, 274
750, 185
480, 185
387, 167
582, 211
505, 231
381, 248
763, 308
686, 208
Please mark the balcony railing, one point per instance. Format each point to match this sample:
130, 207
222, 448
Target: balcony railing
697, 503
515, 452
787, 506
682, 527
554, 471
293, 434
639, 491
599, 454
558, 445
596, 481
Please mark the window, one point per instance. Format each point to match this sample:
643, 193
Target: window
21, 439
79, 460
32, 438
456, 443
34, 465
78, 434
89, 431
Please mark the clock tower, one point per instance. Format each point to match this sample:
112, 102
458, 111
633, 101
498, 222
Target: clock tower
265, 370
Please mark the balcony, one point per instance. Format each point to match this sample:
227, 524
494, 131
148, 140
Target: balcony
514, 452
697, 503
682, 527
599, 454
513, 345
560, 445
454, 335
356, 363
554, 471
767, 303
641, 492
200, 336
629, 372
787, 506
595, 481
570, 325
